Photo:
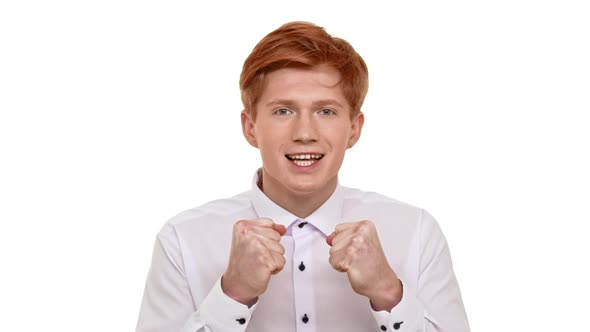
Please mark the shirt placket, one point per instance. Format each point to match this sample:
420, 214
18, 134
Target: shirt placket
302, 276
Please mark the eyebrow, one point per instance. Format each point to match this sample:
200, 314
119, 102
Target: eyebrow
289, 102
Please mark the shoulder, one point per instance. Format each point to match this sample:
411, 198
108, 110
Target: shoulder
360, 199
213, 213
378, 207
216, 208
354, 194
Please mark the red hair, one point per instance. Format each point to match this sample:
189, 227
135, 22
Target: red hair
303, 44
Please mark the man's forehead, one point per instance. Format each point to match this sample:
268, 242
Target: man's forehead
319, 85
323, 73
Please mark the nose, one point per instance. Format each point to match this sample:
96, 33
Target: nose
305, 128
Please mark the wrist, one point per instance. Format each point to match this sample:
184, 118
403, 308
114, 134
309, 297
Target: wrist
387, 297
234, 292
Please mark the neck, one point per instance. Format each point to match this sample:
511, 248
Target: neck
299, 204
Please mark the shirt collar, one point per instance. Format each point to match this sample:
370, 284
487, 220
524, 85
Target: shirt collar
325, 218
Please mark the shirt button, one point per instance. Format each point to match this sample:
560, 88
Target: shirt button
301, 267
397, 325
302, 224
242, 321
383, 328
305, 319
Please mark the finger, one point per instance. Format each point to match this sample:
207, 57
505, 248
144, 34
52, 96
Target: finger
330, 238
279, 228
339, 262
279, 262
245, 226
273, 246
339, 229
342, 239
266, 263
265, 222
267, 232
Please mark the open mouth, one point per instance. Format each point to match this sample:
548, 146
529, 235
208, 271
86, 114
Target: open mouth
304, 160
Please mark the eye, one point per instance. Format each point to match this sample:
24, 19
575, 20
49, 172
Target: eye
327, 111
282, 111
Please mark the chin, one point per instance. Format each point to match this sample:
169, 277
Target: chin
307, 187
304, 190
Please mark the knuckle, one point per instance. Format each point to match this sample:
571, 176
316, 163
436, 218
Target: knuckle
372, 226
265, 221
358, 239
258, 245
363, 225
342, 266
240, 223
261, 260
367, 224
240, 226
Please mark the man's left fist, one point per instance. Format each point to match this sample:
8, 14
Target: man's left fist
357, 251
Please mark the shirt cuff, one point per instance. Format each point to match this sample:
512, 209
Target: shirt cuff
408, 315
222, 313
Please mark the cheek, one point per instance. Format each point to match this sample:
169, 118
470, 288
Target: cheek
339, 140
269, 146
267, 137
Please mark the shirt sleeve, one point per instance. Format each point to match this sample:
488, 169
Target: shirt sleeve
167, 304
220, 312
436, 305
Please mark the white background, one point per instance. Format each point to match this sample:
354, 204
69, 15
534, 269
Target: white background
116, 115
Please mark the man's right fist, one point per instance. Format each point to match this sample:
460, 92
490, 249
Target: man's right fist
256, 254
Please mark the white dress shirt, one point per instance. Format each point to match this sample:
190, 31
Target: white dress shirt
183, 291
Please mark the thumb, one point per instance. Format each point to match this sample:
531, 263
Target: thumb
279, 228
330, 238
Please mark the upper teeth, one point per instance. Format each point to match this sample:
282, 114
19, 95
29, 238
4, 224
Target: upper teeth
305, 156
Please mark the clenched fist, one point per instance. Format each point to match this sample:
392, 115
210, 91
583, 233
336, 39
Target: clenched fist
256, 254
356, 250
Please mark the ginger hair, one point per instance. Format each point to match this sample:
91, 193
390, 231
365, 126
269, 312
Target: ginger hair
303, 44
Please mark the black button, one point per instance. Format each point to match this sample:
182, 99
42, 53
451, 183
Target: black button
383, 328
397, 325
242, 321
302, 224
305, 319
301, 267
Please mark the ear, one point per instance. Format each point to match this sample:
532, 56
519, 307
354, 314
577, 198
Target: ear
356, 129
248, 129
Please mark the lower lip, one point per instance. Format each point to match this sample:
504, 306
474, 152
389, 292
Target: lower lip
305, 168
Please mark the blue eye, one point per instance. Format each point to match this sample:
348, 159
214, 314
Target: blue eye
283, 111
327, 111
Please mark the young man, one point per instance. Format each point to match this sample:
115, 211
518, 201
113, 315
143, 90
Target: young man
299, 252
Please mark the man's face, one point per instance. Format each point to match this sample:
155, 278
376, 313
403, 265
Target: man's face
302, 129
